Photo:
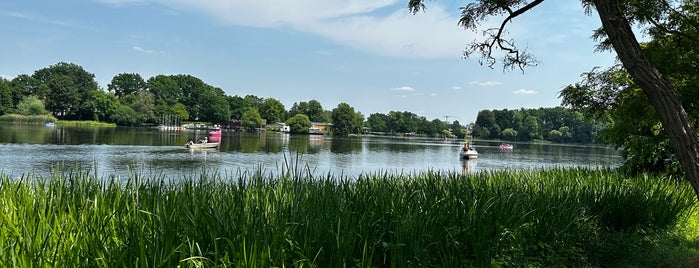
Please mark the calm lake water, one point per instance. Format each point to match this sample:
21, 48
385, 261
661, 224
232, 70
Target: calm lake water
150, 151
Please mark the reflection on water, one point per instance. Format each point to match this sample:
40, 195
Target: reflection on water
116, 151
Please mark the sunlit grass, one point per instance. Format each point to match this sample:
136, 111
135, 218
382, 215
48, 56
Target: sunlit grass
27, 119
572, 218
65, 123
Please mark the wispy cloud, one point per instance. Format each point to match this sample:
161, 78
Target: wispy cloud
486, 83
457, 88
524, 92
43, 19
382, 27
147, 51
403, 88
7, 77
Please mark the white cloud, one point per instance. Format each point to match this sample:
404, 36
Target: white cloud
404, 88
486, 83
147, 51
433, 94
43, 19
7, 77
383, 27
456, 88
524, 92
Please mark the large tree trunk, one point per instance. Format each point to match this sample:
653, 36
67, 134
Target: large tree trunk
660, 92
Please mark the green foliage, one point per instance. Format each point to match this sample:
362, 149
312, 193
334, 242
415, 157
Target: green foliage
27, 119
313, 109
126, 83
84, 123
126, 116
272, 110
567, 125
31, 106
377, 122
299, 124
214, 107
6, 105
165, 88
180, 110
509, 134
67, 90
143, 105
345, 120
104, 105
251, 119
552, 218
633, 125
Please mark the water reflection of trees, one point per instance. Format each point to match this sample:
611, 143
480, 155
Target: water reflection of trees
345, 145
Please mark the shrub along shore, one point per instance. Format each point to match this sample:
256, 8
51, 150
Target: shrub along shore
559, 217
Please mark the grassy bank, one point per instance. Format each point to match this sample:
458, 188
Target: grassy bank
27, 119
42, 119
65, 123
571, 218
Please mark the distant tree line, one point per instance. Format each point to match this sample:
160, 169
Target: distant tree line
553, 124
68, 92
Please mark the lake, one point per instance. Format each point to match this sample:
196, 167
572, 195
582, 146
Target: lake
150, 151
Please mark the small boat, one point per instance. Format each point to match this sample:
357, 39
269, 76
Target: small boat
202, 145
506, 146
468, 154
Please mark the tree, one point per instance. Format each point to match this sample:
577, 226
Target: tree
214, 107
165, 89
377, 122
345, 120
509, 134
126, 116
23, 86
487, 126
251, 119
179, 110
616, 26
68, 90
299, 124
272, 110
6, 105
31, 106
458, 129
315, 112
126, 83
143, 104
104, 105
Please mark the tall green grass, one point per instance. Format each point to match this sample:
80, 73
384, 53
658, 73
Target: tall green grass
573, 217
27, 119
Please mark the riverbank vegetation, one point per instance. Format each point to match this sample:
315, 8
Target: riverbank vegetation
27, 119
70, 92
571, 218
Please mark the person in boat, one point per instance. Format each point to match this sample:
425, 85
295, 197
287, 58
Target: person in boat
467, 146
190, 142
205, 140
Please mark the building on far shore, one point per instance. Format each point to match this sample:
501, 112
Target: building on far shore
320, 128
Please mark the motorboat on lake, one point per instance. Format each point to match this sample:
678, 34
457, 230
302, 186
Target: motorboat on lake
202, 145
468, 154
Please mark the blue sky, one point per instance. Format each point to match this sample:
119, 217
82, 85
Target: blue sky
372, 54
